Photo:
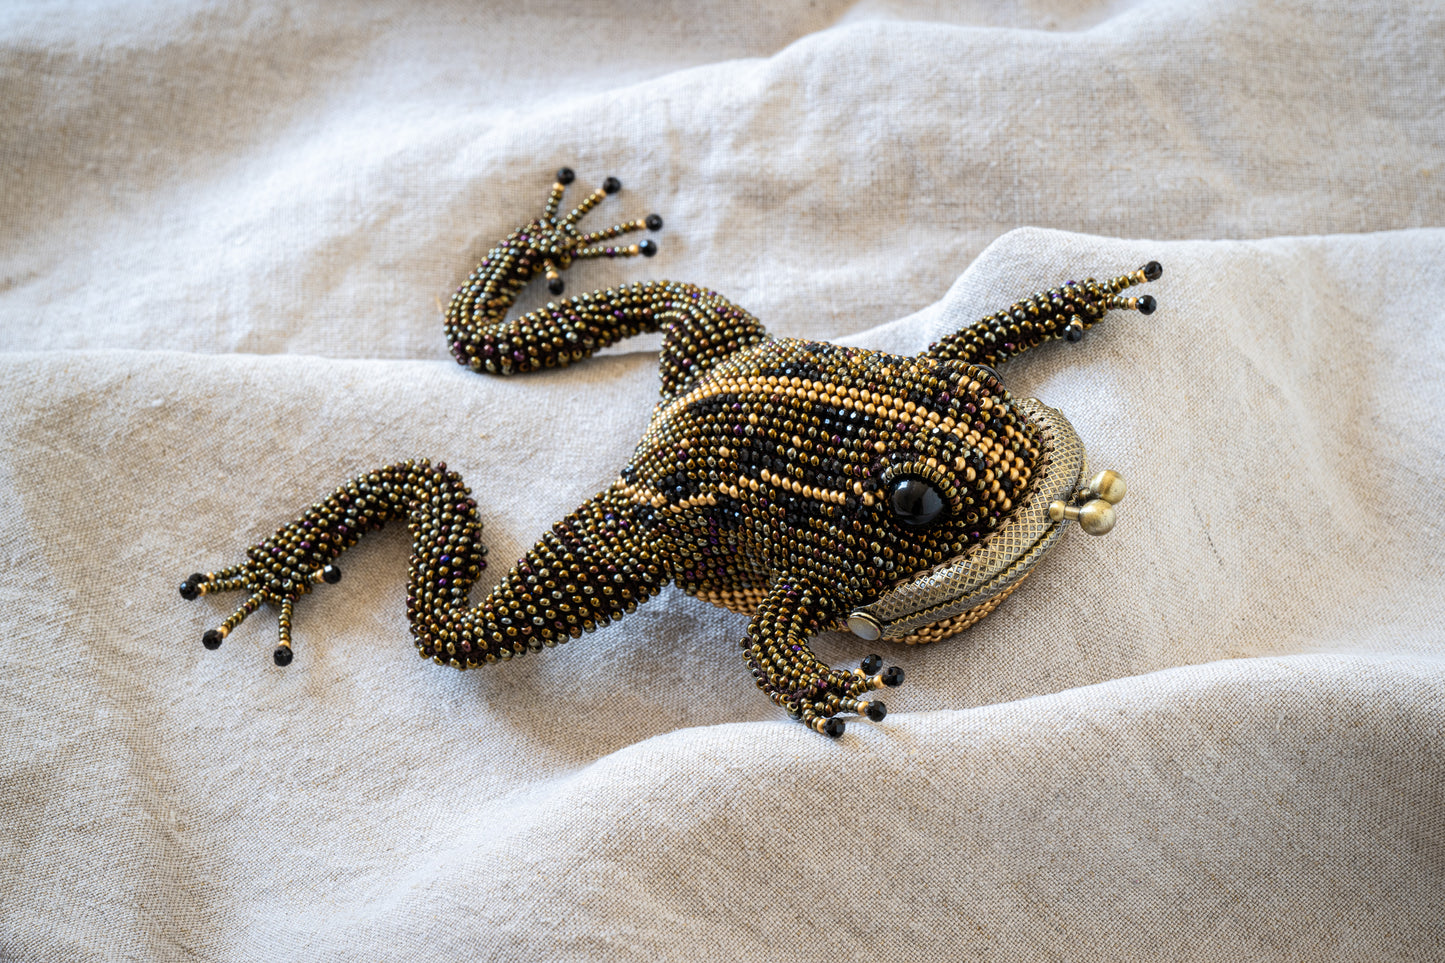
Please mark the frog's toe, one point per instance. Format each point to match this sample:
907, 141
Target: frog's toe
594, 245
829, 693
265, 586
822, 717
575, 244
845, 693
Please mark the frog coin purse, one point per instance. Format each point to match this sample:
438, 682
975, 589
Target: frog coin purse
810, 486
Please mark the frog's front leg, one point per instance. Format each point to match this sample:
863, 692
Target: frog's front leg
1064, 312
583, 573
776, 652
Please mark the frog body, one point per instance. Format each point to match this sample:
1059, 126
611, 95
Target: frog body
794, 481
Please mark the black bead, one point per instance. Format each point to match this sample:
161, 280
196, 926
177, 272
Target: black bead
189, 590
1153, 271
647, 248
893, 676
282, 655
612, 185
915, 502
654, 222
1146, 304
1073, 332
331, 575
566, 175
872, 664
876, 711
212, 639
834, 727
556, 286
196, 577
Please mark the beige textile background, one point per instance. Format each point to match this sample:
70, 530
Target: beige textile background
1215, 734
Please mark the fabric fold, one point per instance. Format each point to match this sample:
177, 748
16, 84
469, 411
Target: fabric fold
226, 239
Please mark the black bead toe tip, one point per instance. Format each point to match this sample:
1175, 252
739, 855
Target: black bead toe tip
282, 656
654, 222
893, 676
566, 175
556, 285
877, 711
612, 185
331, 575
872, 664
1153, 271
189, 590
212, 640
833, 728
1147, 304
647, 248
1073, 332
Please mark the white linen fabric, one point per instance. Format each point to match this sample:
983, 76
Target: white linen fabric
1218, 733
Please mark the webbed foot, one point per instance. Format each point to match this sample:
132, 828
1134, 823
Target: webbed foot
814, 694
560, 241
301, 554
274, 583
482, 339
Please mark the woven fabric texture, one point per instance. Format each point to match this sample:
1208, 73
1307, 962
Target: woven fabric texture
225, 235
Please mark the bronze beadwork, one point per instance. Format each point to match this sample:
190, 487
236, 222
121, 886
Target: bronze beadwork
806, 484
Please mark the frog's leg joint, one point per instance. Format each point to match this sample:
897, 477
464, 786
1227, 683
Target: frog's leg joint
589, 570
586, 245
1064, 312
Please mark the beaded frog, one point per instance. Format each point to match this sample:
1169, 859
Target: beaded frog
809, 485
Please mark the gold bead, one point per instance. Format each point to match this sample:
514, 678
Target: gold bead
1108, 485
1097, 517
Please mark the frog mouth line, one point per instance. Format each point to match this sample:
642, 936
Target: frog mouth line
997, 563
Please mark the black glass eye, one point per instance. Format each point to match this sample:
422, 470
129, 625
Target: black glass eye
915, 502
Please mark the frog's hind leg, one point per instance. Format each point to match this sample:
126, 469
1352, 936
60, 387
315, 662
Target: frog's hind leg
590, 569
1065, 312
593, 567
484, 340
701, 325
300, 555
